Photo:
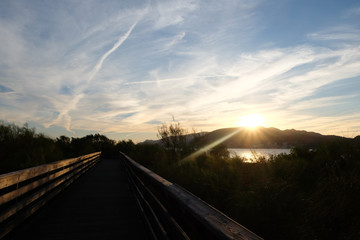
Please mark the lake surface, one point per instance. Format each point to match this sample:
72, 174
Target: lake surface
252, 154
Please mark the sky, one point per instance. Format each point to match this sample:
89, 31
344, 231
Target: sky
122, 68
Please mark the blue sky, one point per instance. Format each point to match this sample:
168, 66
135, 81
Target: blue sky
122, 68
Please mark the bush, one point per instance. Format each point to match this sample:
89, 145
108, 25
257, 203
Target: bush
21, 147
303, 195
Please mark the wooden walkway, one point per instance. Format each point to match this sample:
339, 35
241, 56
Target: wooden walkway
100, 205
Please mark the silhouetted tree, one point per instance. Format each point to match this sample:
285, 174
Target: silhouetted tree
173, 138
125, 146
220, 152
64, 144
22, 147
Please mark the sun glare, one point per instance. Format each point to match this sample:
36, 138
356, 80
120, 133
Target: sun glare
251, 121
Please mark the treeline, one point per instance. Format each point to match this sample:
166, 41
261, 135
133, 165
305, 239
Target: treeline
303, 195
22, 147
308, 194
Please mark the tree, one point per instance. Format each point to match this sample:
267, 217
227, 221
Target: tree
220, 152
64, 144
173, 138
126, 147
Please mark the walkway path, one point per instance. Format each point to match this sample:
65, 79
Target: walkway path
100, 205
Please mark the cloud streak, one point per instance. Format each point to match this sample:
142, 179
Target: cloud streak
72, 105
207, 63
121, 40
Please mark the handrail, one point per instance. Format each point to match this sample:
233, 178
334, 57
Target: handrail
23, 192
173, 208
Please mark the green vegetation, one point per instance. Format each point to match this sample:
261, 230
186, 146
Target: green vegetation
308, 194
173, 139
22, 147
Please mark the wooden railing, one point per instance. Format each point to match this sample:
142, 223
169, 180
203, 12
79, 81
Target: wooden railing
171, 212
24, 192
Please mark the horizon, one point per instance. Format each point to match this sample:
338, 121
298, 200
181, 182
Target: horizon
156, 138
121, 69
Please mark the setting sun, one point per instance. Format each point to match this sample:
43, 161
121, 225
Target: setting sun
251, 121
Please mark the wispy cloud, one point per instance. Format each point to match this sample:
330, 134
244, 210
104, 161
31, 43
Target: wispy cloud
205, 62
172, 12
72, 105
98, 66
352, 12
175, 40
336, 34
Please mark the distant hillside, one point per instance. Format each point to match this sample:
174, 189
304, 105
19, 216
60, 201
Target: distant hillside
263, 137
269, 138
357, 141
188, 138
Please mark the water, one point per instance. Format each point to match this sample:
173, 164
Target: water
252, 154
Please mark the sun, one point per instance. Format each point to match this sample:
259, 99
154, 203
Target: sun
251, 121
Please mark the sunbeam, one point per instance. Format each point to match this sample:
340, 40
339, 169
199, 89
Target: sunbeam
208, 147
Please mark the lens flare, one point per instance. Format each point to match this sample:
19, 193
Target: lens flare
207, 147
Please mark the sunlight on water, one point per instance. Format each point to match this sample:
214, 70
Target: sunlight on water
251, 155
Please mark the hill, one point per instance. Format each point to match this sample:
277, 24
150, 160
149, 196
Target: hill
188, 138
262, 137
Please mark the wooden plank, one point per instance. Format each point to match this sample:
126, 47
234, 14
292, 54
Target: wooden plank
25, 202
148, 172
15, 222
18, 192
22, 204
174, 231
12, 178
218, 225
25, 174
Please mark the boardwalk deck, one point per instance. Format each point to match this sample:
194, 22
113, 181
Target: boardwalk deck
98, 206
